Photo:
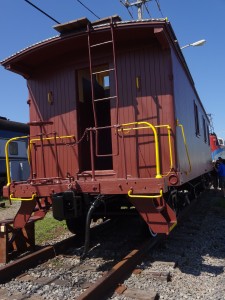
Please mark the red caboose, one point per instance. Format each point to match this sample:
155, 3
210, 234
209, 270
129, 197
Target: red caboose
115, 121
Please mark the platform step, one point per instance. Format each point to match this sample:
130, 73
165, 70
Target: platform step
160, 219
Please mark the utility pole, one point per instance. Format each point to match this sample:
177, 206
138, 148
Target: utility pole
138, 3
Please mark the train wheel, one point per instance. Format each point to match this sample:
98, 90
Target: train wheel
76, 225
173, 201
153, 234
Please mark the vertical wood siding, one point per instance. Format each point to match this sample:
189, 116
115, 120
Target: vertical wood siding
63, 115
151, 103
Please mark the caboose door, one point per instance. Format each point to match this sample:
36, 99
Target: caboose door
95, 116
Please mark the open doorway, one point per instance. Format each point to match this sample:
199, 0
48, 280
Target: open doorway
97, 115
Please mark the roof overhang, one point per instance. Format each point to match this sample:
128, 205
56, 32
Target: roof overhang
73, 39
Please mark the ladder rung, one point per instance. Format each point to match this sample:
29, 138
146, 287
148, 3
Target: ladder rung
100, 44
99, 72
102, 99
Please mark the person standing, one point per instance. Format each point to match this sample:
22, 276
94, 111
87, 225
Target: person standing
215, 175
221, 174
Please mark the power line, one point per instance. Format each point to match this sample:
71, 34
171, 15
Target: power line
146, 7
127, 7
47, 15
157, 2
88, 9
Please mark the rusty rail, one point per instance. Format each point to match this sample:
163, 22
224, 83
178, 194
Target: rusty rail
15, 268
119, 272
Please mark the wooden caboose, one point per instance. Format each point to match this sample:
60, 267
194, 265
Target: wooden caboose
115, 118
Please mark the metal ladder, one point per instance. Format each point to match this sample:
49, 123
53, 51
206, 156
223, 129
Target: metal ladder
113, 69
112, 72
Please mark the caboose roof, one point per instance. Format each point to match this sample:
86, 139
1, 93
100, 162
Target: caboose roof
73, 36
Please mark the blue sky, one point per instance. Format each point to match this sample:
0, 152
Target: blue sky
21, 25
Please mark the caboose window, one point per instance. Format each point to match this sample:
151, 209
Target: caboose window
207, 128
204, 129
13, 148
197, 128
106, 82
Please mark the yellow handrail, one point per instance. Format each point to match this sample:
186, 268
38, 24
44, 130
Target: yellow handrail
169, 142
185, 145
144, 196
148, 125
31, 141
52, 138
22, 199
7, 155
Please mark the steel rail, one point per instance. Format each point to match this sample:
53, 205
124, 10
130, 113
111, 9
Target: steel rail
109, 282
17, 267
43, 253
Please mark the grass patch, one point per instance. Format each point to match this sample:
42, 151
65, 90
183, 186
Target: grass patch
48, 229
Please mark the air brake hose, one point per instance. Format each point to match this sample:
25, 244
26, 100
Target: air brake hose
95, 204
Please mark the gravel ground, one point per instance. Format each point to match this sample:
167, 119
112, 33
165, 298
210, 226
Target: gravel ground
197, 249
9, 211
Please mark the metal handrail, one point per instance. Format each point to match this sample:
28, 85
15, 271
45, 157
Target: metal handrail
7, 155
145, 196
185, 145
52, 138
148, 125
32, 141
22, 199
169, 144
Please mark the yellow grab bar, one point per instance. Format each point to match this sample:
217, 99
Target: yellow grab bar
148, 125
185, 145
7, 155
172, 227
144, 196
28, 154
22, 199
169, 142
52, 138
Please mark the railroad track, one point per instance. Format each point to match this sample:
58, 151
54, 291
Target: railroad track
98, 276
106, 283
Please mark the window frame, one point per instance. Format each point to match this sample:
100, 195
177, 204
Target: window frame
13, 149
196, 117
204, 129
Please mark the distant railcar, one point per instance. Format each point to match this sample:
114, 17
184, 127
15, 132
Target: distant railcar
17, 152
116, 124
217, 147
